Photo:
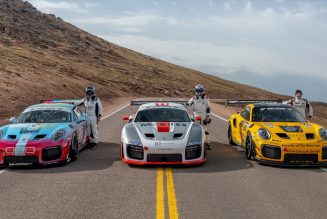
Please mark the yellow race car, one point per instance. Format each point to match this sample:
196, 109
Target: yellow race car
276, 133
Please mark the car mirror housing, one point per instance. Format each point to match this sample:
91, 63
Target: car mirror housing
12, 120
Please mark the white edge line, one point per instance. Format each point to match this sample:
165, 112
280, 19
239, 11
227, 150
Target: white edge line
219, 117
111, 114
2, 171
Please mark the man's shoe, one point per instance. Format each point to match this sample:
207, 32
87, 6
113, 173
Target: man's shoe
93, 146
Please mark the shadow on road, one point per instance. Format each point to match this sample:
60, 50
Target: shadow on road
99, 159
221, 158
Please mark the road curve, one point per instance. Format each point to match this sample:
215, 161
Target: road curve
99, 185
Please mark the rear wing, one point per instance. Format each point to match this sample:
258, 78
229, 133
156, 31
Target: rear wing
141, 102
61, 101
241, 102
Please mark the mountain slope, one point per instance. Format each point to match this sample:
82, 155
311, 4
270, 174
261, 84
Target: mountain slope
44, 57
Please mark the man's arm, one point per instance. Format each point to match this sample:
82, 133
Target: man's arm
80, 102
100, 110
310, 109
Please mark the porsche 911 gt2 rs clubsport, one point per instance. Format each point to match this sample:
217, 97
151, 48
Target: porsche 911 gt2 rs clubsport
278, 134
51, 132
162, 133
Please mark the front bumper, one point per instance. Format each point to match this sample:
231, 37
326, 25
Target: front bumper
36, 152
293, 154
156, 157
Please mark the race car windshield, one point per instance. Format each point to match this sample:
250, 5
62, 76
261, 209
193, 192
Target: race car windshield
276, 114
44, 116
162, 115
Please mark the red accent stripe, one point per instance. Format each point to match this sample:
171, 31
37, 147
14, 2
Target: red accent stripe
163, 126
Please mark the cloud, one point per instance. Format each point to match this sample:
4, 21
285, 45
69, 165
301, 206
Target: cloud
140, 20
227, 6
48, 6
248, 7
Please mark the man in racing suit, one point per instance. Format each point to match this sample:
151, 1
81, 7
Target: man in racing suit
93, 109
302, 105
200, 105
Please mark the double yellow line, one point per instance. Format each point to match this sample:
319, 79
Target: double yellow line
172, 204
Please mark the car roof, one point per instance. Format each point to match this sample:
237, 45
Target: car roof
156, 105
270, 104
52, 105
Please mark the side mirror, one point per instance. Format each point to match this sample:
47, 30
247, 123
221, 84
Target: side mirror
125, 118
12, 120
198, 118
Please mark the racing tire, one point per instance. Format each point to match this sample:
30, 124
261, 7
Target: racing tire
249, 148
230, 135
73, 149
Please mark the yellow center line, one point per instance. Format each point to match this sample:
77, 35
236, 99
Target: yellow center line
160, 195
172, 204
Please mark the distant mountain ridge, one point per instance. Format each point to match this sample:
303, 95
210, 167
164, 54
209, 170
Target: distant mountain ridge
44, 57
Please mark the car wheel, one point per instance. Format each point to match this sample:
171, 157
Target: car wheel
73, 150
230, 136
249, 148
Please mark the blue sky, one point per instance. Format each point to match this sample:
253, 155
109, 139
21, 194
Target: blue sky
278, 45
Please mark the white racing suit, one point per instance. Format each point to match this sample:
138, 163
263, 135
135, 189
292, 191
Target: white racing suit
93, 109
303, 106
201, 107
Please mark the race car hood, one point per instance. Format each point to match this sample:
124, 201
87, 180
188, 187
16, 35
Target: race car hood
166, 131
292, 130
35, 131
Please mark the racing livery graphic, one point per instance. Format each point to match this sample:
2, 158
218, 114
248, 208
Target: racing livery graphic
162, 133
53, 131
278, 134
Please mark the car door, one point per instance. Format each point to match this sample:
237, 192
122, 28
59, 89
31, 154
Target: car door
244, 123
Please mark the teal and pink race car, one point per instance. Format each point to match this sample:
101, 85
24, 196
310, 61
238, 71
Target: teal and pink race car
53, 131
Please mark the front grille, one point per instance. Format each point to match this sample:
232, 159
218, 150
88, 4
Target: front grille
192, 152
164, 158
52, 153
301, 158
20, 159
135, 152
324, 153
283, 135
310, 136
271, 152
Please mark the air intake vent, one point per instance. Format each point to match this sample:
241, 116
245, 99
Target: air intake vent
178, 135
292, 128
149, 135
283, 135
310, 136
12, 137
38, 137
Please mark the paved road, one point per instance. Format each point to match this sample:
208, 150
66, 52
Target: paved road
99, 185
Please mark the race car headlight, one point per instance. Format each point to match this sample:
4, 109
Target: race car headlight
323, 133
264, 134
58, 135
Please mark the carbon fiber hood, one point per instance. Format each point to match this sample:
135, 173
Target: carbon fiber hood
163, 131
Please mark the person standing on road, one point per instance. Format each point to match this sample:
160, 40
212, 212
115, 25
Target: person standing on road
93, 109
200, 105
302, 105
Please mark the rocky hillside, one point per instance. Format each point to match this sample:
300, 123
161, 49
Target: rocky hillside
44, 57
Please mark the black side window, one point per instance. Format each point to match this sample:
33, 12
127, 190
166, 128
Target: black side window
246, 113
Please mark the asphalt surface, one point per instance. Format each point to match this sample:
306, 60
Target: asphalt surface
99, 185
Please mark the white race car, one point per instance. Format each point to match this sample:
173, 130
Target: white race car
162, 133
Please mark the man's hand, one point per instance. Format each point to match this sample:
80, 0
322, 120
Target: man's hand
98, 119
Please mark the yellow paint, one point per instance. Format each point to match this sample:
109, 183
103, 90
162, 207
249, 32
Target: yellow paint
160, 195
172, 204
